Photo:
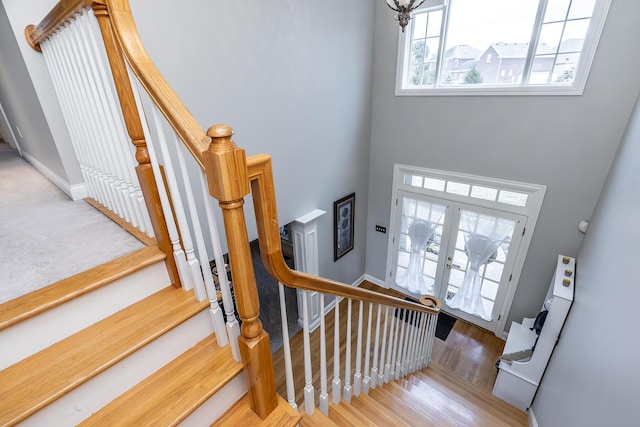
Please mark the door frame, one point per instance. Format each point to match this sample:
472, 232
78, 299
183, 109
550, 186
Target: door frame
446, 185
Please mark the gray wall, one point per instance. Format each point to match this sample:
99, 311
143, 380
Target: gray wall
293, 78
594, 376
21, 104
564, 142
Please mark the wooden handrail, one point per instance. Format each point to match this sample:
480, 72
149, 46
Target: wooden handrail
264, 200
167, 101
60, 13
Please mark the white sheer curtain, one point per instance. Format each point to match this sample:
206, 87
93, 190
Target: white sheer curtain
423, 218
483, 236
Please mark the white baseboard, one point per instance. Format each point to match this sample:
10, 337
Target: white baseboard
75, 192
359, 281
532, 418
375, 281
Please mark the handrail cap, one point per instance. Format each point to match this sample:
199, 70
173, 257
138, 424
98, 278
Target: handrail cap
220, 131
429, 301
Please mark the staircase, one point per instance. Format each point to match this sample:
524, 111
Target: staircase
121, 344
117, 344
431, 397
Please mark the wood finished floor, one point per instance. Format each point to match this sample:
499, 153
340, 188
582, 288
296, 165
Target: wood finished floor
462, 370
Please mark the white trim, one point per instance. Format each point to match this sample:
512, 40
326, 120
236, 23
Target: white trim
533, 422
375, 281
598, 19
75, 192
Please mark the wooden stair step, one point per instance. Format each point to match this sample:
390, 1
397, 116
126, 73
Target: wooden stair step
365, 404
40, 379
459, 395
318, 419
36, 302
241, 414
346, 415
405, 409
173, 392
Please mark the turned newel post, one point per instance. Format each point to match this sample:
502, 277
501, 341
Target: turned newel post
227, 177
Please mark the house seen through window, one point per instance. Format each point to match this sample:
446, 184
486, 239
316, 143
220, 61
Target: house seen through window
500, 46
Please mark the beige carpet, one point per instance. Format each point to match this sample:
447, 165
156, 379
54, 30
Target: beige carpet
46, 237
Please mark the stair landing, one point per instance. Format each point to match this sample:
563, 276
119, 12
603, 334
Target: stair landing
431, 397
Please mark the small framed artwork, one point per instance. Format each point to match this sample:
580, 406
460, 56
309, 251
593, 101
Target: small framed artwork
343, 216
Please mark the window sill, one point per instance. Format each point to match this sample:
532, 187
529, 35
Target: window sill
573, 90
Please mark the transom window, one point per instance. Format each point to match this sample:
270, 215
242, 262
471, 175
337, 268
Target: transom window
499, 47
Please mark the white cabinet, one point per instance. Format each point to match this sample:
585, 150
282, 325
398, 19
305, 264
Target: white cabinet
518, 380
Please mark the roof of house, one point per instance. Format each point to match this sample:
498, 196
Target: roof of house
462, 51
518, 50
571, 45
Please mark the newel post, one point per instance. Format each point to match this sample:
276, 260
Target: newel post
227, 177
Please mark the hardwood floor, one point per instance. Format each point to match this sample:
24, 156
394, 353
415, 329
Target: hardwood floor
454, 390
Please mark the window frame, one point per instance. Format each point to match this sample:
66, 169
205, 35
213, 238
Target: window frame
592, 38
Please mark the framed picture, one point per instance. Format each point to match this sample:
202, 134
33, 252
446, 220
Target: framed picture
343, 225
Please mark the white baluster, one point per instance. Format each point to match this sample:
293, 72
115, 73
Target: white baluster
414, 341
91, 32
423, 333
172, 230
324, 396
394, 351
286, 349
194, 278
97, 99
403, 321
233, 326
411, 333
60, 86
336, 385
309, 392
357, 377
83, 147
374, 369
430, 337
387, 365
209, 285
425, 340
91, 116
367, 378
347, 358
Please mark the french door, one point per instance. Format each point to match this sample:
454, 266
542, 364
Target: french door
460, 252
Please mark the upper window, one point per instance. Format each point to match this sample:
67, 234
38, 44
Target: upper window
499, 47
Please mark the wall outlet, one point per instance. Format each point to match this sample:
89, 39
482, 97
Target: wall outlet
381, 229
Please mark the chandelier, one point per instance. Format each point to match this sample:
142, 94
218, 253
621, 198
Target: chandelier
404, 9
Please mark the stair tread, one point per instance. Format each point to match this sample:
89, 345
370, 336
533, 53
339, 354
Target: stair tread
45, 376
242, 414
404, 408
318, 419
379, 410
346, 415
461, 394
173, 392
36, 302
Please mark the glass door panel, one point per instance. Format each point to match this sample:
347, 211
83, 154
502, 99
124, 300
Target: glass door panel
419, 244
480, 262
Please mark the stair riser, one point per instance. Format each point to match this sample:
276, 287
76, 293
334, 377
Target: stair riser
217, 404
34, 334
96, 393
